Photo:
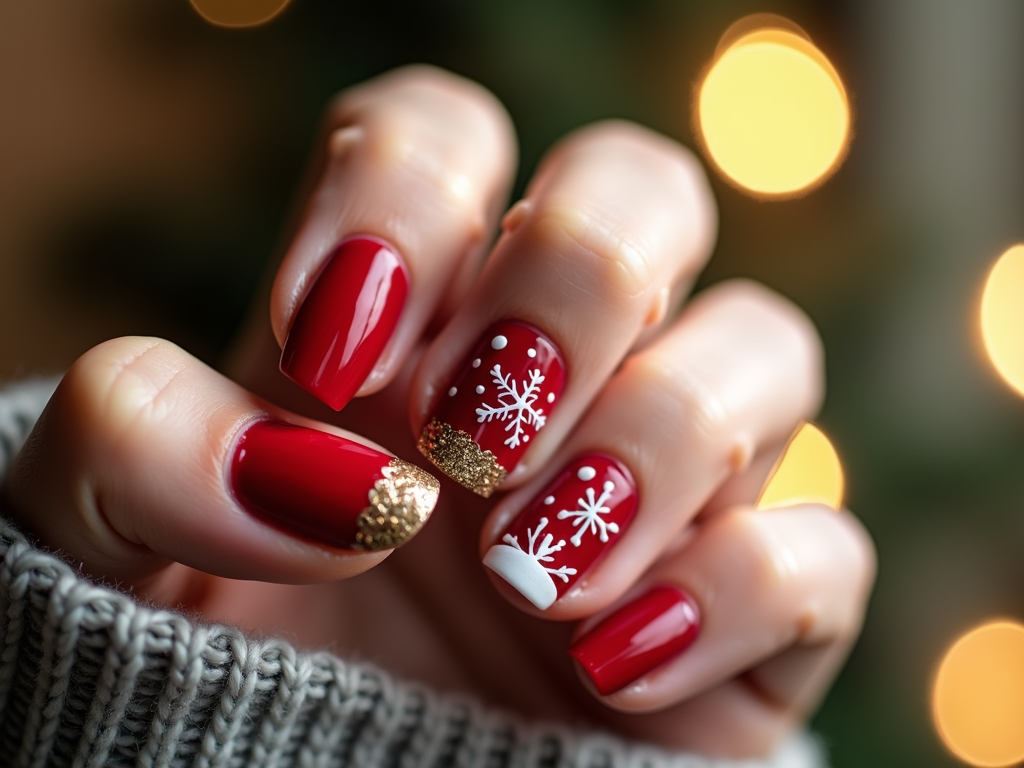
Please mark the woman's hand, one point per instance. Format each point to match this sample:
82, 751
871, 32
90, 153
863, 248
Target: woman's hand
631, 439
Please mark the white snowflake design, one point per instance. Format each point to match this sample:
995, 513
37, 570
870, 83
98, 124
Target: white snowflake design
588, 515
514, 407
542, 554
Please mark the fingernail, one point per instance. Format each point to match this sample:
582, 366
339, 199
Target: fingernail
638, 638
498, 401
566, 529
346, 320
330, 489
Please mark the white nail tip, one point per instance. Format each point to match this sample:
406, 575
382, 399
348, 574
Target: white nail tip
522, 572
586, 474
499, 342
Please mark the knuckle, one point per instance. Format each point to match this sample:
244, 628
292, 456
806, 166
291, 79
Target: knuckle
772, 567
611, 262
120, 383
768, 313
684, 400
424, 101
422, 126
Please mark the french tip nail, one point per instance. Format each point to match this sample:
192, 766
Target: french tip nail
566, 530
400, 504
329, 489
498, 401
456, 454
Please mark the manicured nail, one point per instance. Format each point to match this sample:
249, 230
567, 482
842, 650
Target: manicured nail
566, 530
499, 400
346, 320
328, 488
638, 638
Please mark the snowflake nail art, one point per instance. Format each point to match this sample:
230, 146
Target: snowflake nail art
495, 406
581, 514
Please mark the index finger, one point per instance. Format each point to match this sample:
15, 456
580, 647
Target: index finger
415, 168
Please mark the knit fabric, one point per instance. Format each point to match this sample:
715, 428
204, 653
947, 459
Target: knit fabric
89, 677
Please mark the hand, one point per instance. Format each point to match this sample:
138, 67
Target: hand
161, 475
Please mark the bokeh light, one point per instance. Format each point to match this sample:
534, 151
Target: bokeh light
239, 13
978, 700
1002, 318
772, 112
807, 472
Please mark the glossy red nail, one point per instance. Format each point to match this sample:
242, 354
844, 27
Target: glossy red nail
566, 530
638, 638
329, 489
346, 320
501, 398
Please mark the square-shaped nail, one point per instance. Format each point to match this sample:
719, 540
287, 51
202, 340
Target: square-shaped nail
500, 398
566, 530
638, 638
328, 488
346, 320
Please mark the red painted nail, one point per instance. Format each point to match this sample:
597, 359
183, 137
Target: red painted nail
328, 488
638, 638
499, 400
346, 320
566, 530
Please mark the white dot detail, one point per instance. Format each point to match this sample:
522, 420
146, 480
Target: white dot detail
476, 363
609, 486
479, 389
531, 352
452, 391
551, 397
499, 342
526, 438
586, 474
549, 500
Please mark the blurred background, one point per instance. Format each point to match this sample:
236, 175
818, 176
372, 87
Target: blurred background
147, 162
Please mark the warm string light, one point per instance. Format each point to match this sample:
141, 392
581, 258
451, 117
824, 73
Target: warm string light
772, 113
1002, 318
239, 13
978, 694
978, 697
807, 472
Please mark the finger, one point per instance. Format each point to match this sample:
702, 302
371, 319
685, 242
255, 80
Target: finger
615, 218
144, 456
416, 166
772, 594
744, 486
737, 371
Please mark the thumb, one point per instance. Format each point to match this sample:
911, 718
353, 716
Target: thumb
144, 456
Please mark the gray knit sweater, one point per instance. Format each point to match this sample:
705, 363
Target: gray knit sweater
89, 677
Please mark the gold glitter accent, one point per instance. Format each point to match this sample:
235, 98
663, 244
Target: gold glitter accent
400, 503
454, 453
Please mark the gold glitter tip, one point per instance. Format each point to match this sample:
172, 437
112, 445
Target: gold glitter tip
454, 453
400, 503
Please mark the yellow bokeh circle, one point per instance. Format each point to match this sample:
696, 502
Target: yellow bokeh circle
1002, 318
773, 114
239, 13
807, 472
978, 699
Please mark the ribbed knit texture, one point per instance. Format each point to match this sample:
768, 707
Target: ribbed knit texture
89, 677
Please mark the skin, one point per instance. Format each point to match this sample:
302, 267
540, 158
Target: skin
127, 470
